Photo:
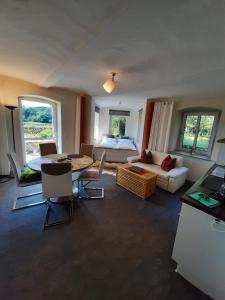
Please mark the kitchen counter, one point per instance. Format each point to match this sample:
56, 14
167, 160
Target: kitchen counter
199, 245
207, 184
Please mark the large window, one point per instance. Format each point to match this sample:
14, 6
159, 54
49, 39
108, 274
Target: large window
118, 120
198, 132
39, 120
118, 125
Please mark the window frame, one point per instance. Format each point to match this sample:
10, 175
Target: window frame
56, 120
199, 113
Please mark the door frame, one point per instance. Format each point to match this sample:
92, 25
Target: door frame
56, 117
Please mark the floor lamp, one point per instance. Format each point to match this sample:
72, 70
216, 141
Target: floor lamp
12, 108
5, 178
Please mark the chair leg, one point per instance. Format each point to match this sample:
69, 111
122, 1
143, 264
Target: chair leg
47, 213
75, 188
71, 209
27, 205
70, 219
83, 190
101, 196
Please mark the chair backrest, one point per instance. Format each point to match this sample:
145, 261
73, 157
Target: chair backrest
86, 149
56, 180
102, 161
15, 166
47, 148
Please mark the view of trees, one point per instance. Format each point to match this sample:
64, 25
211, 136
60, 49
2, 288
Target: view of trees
197, 134
37, 126
40, 114
118, 125
37, 122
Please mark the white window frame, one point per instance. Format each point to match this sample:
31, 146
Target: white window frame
216, 114
56, 120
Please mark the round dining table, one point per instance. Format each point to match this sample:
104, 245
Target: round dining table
78, 162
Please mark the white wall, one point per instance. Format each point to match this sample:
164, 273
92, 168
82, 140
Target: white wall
131, 123
11, 89
197, 167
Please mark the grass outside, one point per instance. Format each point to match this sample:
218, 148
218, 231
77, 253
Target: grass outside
202, 143
35, 130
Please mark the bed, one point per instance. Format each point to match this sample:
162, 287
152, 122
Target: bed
117, 149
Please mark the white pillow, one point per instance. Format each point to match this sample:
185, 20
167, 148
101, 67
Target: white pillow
108, 142
126, 144
106, 139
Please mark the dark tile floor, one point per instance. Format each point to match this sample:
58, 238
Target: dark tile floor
116, 248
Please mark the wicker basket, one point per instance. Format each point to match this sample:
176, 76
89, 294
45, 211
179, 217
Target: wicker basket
141, 185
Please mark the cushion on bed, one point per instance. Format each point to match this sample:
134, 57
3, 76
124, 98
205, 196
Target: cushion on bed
126, 144
108, 136
108, 142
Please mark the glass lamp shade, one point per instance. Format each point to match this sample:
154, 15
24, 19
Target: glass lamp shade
109, 85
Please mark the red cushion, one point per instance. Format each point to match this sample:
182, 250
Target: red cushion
168, 163
146, 158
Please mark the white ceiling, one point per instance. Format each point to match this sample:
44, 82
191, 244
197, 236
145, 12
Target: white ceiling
121, 102
159, 48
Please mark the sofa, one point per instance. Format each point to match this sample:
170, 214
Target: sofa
170, 181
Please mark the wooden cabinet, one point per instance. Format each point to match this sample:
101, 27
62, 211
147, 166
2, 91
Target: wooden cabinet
199, 250
141, 185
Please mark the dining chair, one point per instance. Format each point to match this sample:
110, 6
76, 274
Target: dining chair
47, 148
89, 176
57, 189
86, 149
24, 179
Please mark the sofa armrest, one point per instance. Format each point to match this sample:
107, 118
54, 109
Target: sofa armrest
132, 159
176, 172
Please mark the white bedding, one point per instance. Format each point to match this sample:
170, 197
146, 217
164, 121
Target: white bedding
127, 144
108, 142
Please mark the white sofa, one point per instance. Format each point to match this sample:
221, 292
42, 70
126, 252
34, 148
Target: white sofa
170, 181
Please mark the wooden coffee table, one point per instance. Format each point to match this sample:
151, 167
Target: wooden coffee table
141, 185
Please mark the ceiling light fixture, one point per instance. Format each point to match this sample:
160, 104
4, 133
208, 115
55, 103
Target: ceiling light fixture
109, 85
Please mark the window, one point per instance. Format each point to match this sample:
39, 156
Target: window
96, 125
39, 120
118, 121
198, 132
118, 125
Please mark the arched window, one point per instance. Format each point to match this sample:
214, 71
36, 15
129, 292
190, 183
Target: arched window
40, 122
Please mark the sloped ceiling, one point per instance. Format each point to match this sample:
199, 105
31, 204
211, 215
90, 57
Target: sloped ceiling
159, 48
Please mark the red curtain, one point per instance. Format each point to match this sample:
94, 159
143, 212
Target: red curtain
148, 123
82, 119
